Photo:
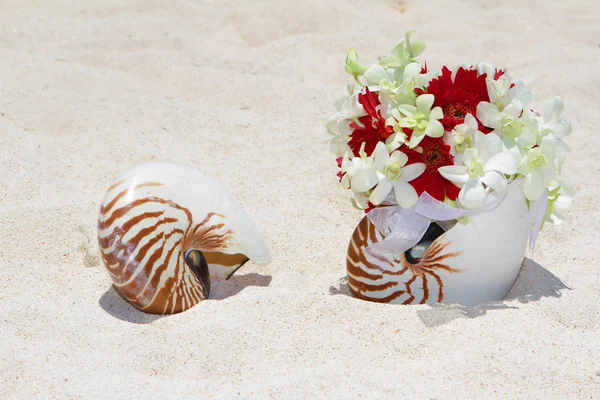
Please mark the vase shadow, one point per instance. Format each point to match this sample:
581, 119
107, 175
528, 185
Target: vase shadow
533, 283
114, 304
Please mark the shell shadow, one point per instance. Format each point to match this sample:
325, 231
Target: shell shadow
114, 304
221, 289
533, 283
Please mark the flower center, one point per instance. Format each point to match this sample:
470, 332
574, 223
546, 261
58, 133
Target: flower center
418, 122
462, 142
512, 129
538, 161
456, 110
393, 171
475, 168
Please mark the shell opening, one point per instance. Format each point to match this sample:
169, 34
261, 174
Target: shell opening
199, 267
222, 265
415, 253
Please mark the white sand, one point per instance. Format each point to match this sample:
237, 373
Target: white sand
242, 91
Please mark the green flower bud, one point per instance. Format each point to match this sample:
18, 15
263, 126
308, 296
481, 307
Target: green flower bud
352, 65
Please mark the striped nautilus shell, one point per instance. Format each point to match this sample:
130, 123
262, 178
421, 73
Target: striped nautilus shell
466, 264
165, 229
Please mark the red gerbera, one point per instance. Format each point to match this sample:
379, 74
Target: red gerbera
373, 130
459, 97
435, 154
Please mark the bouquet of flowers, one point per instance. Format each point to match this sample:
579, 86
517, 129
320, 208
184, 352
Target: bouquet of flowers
460, 136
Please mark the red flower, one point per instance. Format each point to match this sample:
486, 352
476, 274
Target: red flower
459, 97
435, 154
373, 130
340, 174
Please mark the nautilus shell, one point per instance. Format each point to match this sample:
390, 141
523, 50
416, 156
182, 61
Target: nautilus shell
466, 264
164, 229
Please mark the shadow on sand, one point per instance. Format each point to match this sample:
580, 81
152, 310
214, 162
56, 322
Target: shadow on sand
113, 303
533, 283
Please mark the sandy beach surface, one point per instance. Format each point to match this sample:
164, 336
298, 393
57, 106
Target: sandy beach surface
241, 90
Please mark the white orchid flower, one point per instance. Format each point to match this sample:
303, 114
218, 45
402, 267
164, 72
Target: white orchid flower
404, 52
396, 140
348, 109
422, 119
560, 199
537, 170
485, 68
553, 123
461, 138
502, 94
483, 171
556, 150
516, 127
393, 173
339, 145
359, 172
378, 77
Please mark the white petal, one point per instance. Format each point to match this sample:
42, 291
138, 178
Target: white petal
548, 174
454, 173
406, 195
489, 115
436, 113
332, 124
412, 171
399, 157
412, 70
415, 139
380, 192
472, 194
526, 140
364, 180
471, 122
494, 143
339, 102
381, 156
434, 129
503, 162
375, 74
470, 154
344, 127
338, 146
407, 110
424, 103
482, 144
533, 185
345, 181
513, 110
562, 128
495, 181
352, 108
484, 68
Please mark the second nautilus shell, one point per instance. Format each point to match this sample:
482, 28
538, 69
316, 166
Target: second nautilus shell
467, 264
165, 229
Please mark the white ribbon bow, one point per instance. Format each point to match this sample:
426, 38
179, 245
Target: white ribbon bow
404, 227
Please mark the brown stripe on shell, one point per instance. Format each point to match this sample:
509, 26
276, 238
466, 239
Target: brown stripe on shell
160, 244
404, 273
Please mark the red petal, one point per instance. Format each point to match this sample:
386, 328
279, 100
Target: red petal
452, 190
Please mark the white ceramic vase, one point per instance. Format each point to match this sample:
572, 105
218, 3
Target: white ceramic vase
468, 264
